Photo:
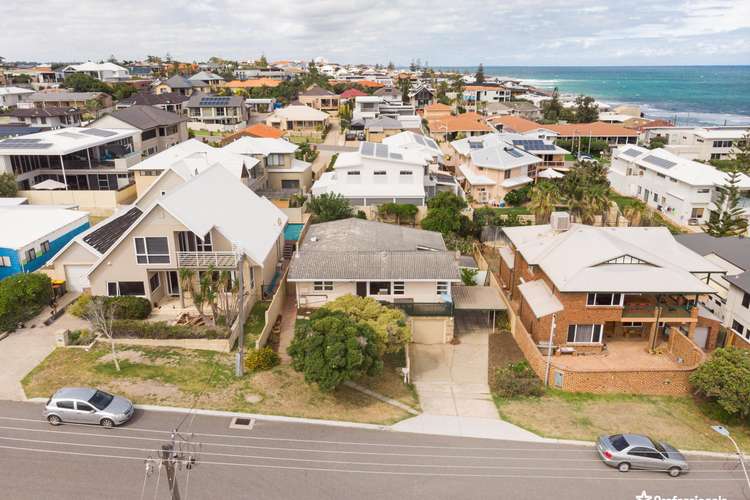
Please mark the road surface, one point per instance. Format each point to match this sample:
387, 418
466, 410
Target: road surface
276, 460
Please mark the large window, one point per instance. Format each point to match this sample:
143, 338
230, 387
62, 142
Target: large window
380, 288
152, 250
153, 281
442, 287
4, 261
584, 334
604, 299
398, 287
125, 288
746, 300
323, 286
275, 160
187, 241
30, 254
289, 184
148, 134
741, 329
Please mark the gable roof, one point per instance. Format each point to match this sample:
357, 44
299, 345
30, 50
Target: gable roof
43, 112
597, 129
149, 99
733, 249
260, 145
204, 76
517, 123
301, 112
465, 122
352, 92
103, 236
316, 90
25, 224
178, 82
146, 117
55, 96
193, 156
263, 130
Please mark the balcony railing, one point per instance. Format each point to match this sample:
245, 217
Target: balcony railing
639, 311
423, 308
207, 259
675, 311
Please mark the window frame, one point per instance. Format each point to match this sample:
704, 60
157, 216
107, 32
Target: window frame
5, 261
442, 287
399, 288
746, 300
596, 330
45, 247
30, 254
146, 255
592, 302
323, 286
151, 282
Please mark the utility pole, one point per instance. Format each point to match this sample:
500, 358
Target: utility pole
169, 462
173, 455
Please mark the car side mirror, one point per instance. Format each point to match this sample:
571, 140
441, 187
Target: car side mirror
92, 411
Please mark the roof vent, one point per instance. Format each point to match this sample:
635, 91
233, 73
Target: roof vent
313, 239
559, 221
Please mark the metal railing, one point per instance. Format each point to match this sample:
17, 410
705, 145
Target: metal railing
423, 308
207, 259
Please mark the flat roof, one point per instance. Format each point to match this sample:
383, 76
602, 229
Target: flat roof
24, 224
63, 141
477, 298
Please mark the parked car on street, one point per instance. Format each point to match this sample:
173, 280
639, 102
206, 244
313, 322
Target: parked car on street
83, 405
633, 451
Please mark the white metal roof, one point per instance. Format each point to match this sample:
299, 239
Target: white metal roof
516, 181
301, 113
330, 183
475, 179
14, 91
24, 224
193, 155
49, 185
260, 146
540, 298
64, 140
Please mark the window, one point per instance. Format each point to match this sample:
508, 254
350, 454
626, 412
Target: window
641, 451
131, 288
746, 300
275, 160
632, 324
703, 191
153, 281
151, 250
323, 286
738, 327
584, 334
45, 247
722, 144
696, 213
353, 172
84, 406
4, 261
405, 172
604, 299
379, 172
619, 442
289, 184
380, 288
65, 405
506, 174
30, 254
398, 287
187, 241
148, 134
442, 287
112, 289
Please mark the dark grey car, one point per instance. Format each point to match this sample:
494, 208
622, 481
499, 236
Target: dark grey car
83, 405
634, 451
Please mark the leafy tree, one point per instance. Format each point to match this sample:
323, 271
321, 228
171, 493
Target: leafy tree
330, 206
519, 196
391, 66
544, 197
404, 85
586, 109
479, 76
22, 296
8, 185
552, 110
333, 348
400, 211
81, 82
637, 213
469, 276
657, 142
444, 215
305, 152
262, 62
725, 378
345, 116
388, 323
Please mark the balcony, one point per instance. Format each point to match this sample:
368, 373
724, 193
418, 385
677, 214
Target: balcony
638, 311
635, 312
219, 260
423, 308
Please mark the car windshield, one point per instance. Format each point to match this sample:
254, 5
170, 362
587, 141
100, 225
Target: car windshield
658, 445
101, 399
618, 441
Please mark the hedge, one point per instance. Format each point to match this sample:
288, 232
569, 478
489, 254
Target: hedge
135, 329
23, 296
126, 307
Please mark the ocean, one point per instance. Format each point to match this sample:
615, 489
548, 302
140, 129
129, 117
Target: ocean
689, 95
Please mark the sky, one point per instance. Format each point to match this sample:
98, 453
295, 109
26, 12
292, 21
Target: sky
439, 32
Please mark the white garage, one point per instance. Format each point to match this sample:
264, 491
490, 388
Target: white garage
76, 278
428, 330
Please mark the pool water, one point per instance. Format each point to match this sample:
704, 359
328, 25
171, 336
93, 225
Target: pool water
292, 231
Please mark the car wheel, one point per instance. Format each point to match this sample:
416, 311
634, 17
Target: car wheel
54, 420
107, 422
623, 467
674, 471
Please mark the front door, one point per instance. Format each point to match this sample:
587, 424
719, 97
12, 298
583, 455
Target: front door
173, 283
362, 288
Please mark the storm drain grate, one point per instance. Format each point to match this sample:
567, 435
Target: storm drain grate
244, 423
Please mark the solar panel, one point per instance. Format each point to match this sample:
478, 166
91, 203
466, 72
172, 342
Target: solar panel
381, 150
368, 148
533, 145
98, 132
71, 135
631, 152
419, 139
24, 144
514, 152
659, 162
214, 101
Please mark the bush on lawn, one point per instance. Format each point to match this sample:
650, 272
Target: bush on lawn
126, 307
516, 379
80, 337
725, 378
261, 359
135, 329
23, 296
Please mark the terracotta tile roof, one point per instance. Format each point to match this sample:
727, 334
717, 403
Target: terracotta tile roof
516, 123
263, 130
251, 84
349, 93
465, 122
370, 84
437, 107
597, 129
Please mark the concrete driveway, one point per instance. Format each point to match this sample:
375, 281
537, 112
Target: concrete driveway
23, 349
451, 380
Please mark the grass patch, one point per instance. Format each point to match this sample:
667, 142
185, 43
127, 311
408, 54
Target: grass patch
256, 320
513, 211
624, 202
681, 421
175, 377
390, 383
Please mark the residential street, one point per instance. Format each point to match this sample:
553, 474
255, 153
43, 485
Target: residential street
283, 460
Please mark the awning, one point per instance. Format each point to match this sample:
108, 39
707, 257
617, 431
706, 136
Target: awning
516, 181
508, 256
477, 298
49, 185
475, 179
540, 298
550, 173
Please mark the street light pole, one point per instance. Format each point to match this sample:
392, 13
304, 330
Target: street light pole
725, 432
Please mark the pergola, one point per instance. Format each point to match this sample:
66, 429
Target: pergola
478, 298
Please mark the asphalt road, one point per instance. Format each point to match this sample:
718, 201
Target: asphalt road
281, 460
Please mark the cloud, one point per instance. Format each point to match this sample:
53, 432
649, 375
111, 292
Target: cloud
552, 32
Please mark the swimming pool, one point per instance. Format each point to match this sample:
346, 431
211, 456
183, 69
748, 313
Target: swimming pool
292, 231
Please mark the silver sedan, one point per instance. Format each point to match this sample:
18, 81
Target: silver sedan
634, 451
87, 406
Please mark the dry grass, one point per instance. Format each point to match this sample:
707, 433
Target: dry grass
176, 377
680, 421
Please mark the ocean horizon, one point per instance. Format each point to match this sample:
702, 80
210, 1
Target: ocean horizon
686, 95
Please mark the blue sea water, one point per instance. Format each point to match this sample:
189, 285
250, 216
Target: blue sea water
691, 95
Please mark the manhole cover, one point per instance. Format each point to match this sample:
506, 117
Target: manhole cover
245, 423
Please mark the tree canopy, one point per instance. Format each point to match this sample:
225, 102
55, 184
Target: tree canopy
388, 323
479, 76
728, 219
444, 215
8, 185
330, 206
725, 378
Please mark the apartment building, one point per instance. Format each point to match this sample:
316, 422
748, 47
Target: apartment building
699, 143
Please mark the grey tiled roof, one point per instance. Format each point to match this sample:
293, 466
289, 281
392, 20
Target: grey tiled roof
350, 235
363, 265
63, 96
732, 249
147, 117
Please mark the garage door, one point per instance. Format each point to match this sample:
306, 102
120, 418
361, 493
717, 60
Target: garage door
428, 331
76, 278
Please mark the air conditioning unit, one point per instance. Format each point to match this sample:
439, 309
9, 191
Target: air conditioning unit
560, 221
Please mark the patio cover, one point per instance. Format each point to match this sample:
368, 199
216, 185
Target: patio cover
550, 174
477, 298
540, 298
49, 185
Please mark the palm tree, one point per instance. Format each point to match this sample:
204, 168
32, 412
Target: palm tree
596, 199
544, 197
636, 213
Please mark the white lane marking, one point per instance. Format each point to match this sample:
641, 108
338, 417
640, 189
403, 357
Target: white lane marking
337, 462
387, 473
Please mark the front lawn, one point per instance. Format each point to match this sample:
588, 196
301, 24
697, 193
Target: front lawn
680, 421
175, 377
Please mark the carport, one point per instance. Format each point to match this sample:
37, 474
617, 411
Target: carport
478, 299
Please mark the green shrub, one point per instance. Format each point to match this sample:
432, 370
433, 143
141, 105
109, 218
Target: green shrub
135, 329
725, 378
519, 196
126, 307
516, 379
261, 359
23, 296
80, 337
